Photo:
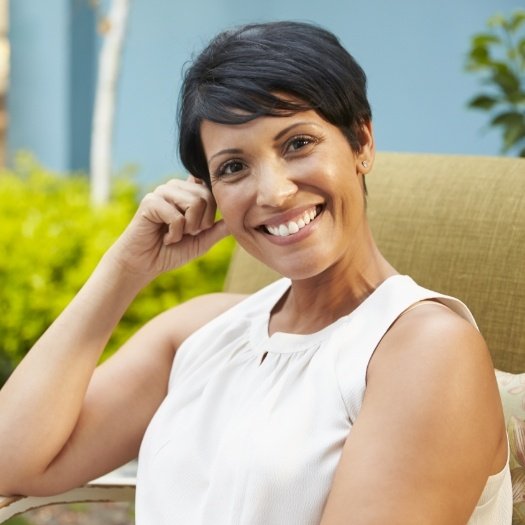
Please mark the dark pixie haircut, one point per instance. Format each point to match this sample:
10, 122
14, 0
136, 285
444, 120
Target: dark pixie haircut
275, 69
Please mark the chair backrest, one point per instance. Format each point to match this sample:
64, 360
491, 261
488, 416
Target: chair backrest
456, 224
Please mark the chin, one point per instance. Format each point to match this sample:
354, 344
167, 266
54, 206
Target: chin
298, 264
298, 271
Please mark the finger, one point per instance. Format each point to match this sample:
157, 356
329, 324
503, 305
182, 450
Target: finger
195, 180
194, 206
175, 231
157, 210
208, 217
200, 215
194, 201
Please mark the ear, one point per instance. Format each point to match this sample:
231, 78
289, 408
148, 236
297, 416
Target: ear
365, 158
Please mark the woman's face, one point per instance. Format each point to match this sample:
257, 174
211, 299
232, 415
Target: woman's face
290, 190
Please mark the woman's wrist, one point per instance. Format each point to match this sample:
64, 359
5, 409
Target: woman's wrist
118, 272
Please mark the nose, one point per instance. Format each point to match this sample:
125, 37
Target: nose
274, 186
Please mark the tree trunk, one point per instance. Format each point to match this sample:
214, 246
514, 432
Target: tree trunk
105, 101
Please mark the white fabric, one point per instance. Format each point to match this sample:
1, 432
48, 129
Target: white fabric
238, 441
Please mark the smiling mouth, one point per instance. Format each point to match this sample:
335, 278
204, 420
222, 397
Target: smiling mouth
295, 225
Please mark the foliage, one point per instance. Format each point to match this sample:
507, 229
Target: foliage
498, 55
51, 239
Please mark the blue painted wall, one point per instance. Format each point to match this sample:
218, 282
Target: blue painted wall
412, 50
52, 69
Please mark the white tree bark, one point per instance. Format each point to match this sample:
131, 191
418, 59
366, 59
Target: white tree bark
105, 101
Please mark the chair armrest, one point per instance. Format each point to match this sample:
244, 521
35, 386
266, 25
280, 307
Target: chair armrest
107, 488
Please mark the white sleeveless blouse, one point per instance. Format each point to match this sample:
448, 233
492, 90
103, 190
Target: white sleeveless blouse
242, 440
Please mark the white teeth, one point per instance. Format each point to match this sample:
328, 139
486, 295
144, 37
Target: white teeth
293, 227
283, 230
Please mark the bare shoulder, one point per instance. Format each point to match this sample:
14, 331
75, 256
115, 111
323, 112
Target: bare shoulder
430, 431
441, 362
195, 313
432, 333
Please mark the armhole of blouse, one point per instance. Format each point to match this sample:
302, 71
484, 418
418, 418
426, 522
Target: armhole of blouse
424, 302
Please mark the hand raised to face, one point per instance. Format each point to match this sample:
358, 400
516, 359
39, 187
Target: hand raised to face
174, 224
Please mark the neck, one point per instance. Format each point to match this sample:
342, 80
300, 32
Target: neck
316, 302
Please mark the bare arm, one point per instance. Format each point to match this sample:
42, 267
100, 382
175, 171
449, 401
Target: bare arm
56, 414
430, 431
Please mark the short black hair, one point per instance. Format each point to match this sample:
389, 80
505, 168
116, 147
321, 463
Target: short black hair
274, 68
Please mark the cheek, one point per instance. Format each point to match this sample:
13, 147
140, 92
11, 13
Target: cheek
230, 205
325, 168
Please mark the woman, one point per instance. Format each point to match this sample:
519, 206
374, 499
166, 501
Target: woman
345, 393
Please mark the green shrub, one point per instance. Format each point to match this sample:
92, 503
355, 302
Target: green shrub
50, 241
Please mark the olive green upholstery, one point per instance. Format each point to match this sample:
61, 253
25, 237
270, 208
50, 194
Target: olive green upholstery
456, 224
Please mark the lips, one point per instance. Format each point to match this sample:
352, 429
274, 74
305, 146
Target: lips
294, 225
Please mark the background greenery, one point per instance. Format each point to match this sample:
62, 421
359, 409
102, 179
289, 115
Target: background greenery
51, 238
497, 55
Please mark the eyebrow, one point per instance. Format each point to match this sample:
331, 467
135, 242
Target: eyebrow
292, 126
229, 151
238, 151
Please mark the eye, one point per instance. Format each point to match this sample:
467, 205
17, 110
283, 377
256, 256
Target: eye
230, 167
298, 143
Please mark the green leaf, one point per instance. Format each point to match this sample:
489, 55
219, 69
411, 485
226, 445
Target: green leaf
521, 48
521, 153
513, 134
517, 98
516, 20
502, 67
478, 58
509, 118
484, 39
479, 54
513, 124
483, 102
505, 78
